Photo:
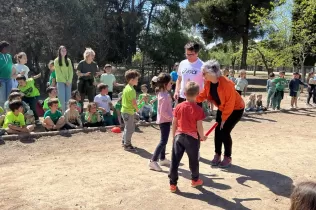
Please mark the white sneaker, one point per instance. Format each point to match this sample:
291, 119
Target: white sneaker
164, 162
153, 165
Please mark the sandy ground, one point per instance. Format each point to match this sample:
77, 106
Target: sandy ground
271, 152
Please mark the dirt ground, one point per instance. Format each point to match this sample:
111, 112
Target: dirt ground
271, 152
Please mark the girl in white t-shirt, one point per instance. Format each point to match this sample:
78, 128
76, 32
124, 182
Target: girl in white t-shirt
20, 67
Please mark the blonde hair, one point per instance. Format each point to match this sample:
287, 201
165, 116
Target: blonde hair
192, 89
88, 52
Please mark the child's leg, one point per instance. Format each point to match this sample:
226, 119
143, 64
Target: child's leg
32, 103
108, 120
161, 147
128, 129
192, 147
177, 153
292, 101
295, 101
48, 123
11, 131
60, 123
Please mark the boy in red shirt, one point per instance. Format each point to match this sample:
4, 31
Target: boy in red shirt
186, 129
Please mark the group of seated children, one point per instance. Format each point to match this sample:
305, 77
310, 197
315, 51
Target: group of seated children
147, 105
254, 105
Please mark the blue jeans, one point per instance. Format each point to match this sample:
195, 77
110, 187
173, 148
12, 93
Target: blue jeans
161, 147
5, 89
64, 94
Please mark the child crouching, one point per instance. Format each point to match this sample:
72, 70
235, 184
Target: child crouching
186, 127
72, 116
92, 116
14, 122
53, 118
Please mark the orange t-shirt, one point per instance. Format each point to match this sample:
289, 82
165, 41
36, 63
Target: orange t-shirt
187, 114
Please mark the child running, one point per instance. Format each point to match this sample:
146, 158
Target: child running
164, 119
186, 126
129, 106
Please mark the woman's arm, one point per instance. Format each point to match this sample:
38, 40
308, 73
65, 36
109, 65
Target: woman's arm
70, 72
203, 95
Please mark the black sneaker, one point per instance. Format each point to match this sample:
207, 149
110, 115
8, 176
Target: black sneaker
130, 148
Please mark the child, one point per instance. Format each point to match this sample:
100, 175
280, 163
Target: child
129, 106
294, 87
251, 104
28, 113
145, 109
52, 76
270, 89
14, 121
52, 93
164, 119
92, 116
154, 103
232, 75
117, 117
104, 104
311, 88
259, 105
31, 93
280, 84
75, 95
72, 116
20, 67
144, 90
109, 79
241, 83
53, 118
225, 72
186, 127
304, 196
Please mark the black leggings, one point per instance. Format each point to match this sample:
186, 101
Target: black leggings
223, 136
311, 93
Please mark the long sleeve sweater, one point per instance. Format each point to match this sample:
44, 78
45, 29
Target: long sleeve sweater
63, 73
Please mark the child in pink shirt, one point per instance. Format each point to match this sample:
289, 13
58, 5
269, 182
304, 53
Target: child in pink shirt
164, 118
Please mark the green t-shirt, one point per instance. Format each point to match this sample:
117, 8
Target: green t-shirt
51, 77
94, 117
53, 116
281, 83
108, 79
5, 66
45, 106
1, 110
29, 90
11, 118
129, 94
118, 106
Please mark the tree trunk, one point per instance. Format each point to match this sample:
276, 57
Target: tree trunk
254, 72
245, 40
303, 70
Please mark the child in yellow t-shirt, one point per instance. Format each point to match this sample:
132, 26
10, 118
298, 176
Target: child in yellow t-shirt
14, 122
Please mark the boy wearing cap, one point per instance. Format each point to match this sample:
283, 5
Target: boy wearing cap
109, 79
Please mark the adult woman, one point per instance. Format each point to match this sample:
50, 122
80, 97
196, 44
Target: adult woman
64, 75
220, 91
5, 72
311, 88
86, 71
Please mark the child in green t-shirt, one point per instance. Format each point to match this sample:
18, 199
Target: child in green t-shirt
129, 105
280, 84
92, 116
14, 121
144, 90
53, 118
52, 76
31, 93
52, 93
117, 117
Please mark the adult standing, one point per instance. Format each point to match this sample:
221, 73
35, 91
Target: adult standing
87, 70
221, 92
189, 70
174, 76
64, 75
5, 72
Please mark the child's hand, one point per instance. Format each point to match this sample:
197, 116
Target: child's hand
203, 138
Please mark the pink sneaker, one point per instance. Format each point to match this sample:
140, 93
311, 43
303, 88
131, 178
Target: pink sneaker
226, 162
216, 160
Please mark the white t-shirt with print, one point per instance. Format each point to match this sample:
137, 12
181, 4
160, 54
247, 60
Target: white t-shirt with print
20, 68
103, 101
190, 72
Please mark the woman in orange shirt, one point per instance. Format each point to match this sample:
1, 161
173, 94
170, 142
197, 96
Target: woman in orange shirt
220, 91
